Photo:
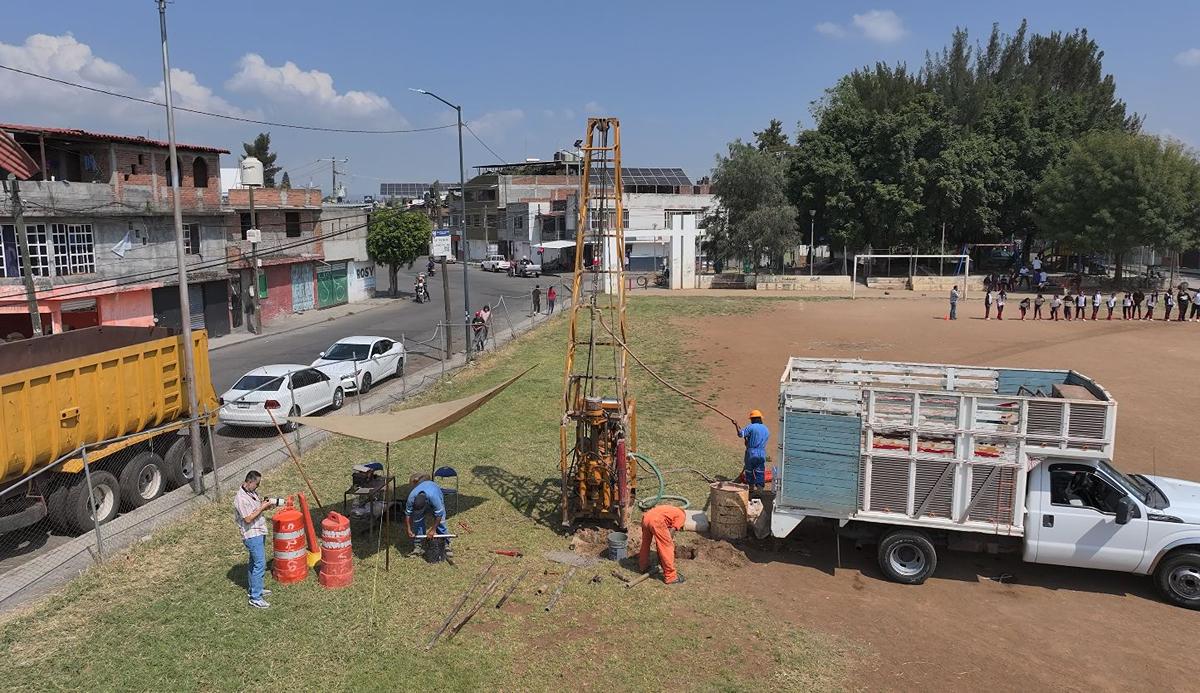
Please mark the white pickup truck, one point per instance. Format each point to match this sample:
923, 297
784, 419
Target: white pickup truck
526, 268
917, 457
495, 263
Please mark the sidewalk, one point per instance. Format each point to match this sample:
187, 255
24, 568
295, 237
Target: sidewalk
300, 321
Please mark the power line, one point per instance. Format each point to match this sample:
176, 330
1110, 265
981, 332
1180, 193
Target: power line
485, 146
240, 119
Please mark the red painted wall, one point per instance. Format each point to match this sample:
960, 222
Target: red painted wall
278, 302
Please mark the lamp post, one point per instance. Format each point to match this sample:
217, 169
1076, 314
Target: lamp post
252, 177
812, 238
462, 223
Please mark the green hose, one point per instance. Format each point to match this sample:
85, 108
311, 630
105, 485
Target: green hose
662, 487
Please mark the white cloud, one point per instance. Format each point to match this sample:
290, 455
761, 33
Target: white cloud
884, 26
288, 83
495, 123
1189, 58
66, 58
190, 93
593, 108
830, 29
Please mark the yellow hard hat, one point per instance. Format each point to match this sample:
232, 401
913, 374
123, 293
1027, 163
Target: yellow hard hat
755, 414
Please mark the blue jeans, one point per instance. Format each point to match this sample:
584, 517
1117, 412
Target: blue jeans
418, 524
755, 469
258, 565
954, 310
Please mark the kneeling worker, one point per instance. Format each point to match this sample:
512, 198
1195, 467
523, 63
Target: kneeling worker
755, 461
425, 497
658, 523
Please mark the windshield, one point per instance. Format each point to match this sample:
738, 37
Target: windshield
1136, 488
261, 383
348, 352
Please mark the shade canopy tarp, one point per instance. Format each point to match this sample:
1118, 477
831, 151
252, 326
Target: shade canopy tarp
406, 424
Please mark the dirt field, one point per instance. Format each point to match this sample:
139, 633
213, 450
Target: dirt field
1044, 628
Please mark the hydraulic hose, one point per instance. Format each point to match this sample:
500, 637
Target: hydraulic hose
648, 503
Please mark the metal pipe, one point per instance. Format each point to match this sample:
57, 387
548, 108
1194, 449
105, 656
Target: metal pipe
189, 348
35, 316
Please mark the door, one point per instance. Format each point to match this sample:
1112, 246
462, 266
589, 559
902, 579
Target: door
322, 390
388, 358
333, 287
216, 307
303, 297
196, 306
1076, 521
301, 389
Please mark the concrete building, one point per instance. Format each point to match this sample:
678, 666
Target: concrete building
348, 273
101, 231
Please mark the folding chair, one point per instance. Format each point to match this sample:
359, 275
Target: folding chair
442, 473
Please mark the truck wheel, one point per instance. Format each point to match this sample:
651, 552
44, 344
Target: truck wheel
143, 479
907, 557
178, 461
71, 508
1178, 578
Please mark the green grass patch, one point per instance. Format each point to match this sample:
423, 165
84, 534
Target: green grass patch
171, 612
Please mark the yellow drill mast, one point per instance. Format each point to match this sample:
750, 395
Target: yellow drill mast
598, 434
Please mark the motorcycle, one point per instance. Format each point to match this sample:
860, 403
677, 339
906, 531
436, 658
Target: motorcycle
421, 290
430, 268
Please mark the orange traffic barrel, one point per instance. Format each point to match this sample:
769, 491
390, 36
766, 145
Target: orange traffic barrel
289, 564
337, 558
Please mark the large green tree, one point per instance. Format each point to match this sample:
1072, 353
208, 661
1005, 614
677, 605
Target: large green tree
1115, 191
755, 216
772, 138
396, 237
260, 149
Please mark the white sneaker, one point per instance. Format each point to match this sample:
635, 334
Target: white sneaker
259, 604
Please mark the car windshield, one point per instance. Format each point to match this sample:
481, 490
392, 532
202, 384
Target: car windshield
348, 352
1136, 488
260, 383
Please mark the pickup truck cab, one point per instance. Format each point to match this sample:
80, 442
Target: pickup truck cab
526, 268
495, 263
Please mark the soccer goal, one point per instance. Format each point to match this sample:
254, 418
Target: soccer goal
910, 267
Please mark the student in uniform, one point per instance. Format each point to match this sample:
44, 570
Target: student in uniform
1184, 299
1024, 306
1081, 306
1068, 307
1111, 304
1195, 316
1097, 298
1126, 307
1001, 299
1168, 304
1037, 306
1151, 300
987, 304
1055, 303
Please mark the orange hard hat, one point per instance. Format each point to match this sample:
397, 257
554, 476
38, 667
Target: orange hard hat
755, 414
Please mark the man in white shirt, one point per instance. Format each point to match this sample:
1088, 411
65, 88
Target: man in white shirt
248, 511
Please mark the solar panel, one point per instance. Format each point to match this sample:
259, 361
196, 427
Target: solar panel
410, 190
663, 177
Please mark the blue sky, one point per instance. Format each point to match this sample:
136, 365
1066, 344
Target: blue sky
684, 77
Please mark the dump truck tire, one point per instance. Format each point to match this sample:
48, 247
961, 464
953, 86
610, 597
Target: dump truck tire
907, 556
71, 506
143, 479
173, 463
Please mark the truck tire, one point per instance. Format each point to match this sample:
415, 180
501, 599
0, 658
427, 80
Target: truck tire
22, 513
1178, 578
907, 556
177, 462
143, 479
70, 506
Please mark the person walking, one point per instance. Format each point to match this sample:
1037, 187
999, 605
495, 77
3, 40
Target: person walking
1097, 299
1168, 304
536, 296
658, 525
1111, 304
1037, 306
1126, 307
954, 303
1151, 300
1080, 305
551, 297
1195, 317
478, 327
1001, 299
1024, 306
987, 304
754, 463
248, 513
1184, 299
486, 313
1055, 303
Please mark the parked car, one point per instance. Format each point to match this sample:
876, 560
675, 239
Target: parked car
495, 263
526, 268
357, 363
270, 394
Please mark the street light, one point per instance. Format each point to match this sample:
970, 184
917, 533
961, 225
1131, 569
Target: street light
462, 223
812, 238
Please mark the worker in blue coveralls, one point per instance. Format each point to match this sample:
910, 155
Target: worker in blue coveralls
755, 462
424, 498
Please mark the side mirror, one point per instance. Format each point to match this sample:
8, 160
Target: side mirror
1126, 510
322, 354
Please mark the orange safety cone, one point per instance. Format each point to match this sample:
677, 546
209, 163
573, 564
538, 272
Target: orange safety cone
337, 556
310, 533
289, 563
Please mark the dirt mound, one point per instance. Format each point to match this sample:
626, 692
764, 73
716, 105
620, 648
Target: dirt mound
718, 552
590, 541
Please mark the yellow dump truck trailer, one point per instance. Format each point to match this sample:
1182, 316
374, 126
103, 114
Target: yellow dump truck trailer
113, 396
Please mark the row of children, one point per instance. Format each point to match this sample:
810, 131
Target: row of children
1075, 306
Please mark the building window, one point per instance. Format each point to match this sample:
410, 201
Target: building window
611, 216
519, 223
140, 160
191, 239
245, 223
199, 172
39, 250
133, 168
292, 223
74, 249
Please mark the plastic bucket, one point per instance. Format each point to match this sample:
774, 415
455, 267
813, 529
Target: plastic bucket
618, 543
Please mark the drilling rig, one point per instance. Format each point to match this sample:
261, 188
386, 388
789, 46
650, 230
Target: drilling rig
598, 433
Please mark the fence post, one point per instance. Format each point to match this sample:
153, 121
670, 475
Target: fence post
357, 389
87, 473
212, 452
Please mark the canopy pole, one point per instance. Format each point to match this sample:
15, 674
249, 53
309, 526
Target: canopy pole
433, 466
387, 508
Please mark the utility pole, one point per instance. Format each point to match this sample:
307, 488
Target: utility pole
333, 162
255, 316
446, 303
35, 316
189, 349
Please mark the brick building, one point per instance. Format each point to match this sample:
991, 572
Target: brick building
99, 217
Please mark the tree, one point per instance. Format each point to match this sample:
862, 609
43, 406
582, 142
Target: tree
396, 237
260, 149
1115, 191
772, 138
755, 214
434, 201
285, 182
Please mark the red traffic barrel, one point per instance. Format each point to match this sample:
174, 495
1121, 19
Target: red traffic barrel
289, 564
337, 558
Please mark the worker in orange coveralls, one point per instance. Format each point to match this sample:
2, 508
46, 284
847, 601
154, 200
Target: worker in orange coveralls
658, 523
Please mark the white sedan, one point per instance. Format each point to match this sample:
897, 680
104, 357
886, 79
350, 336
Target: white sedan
357, 363
270, 394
